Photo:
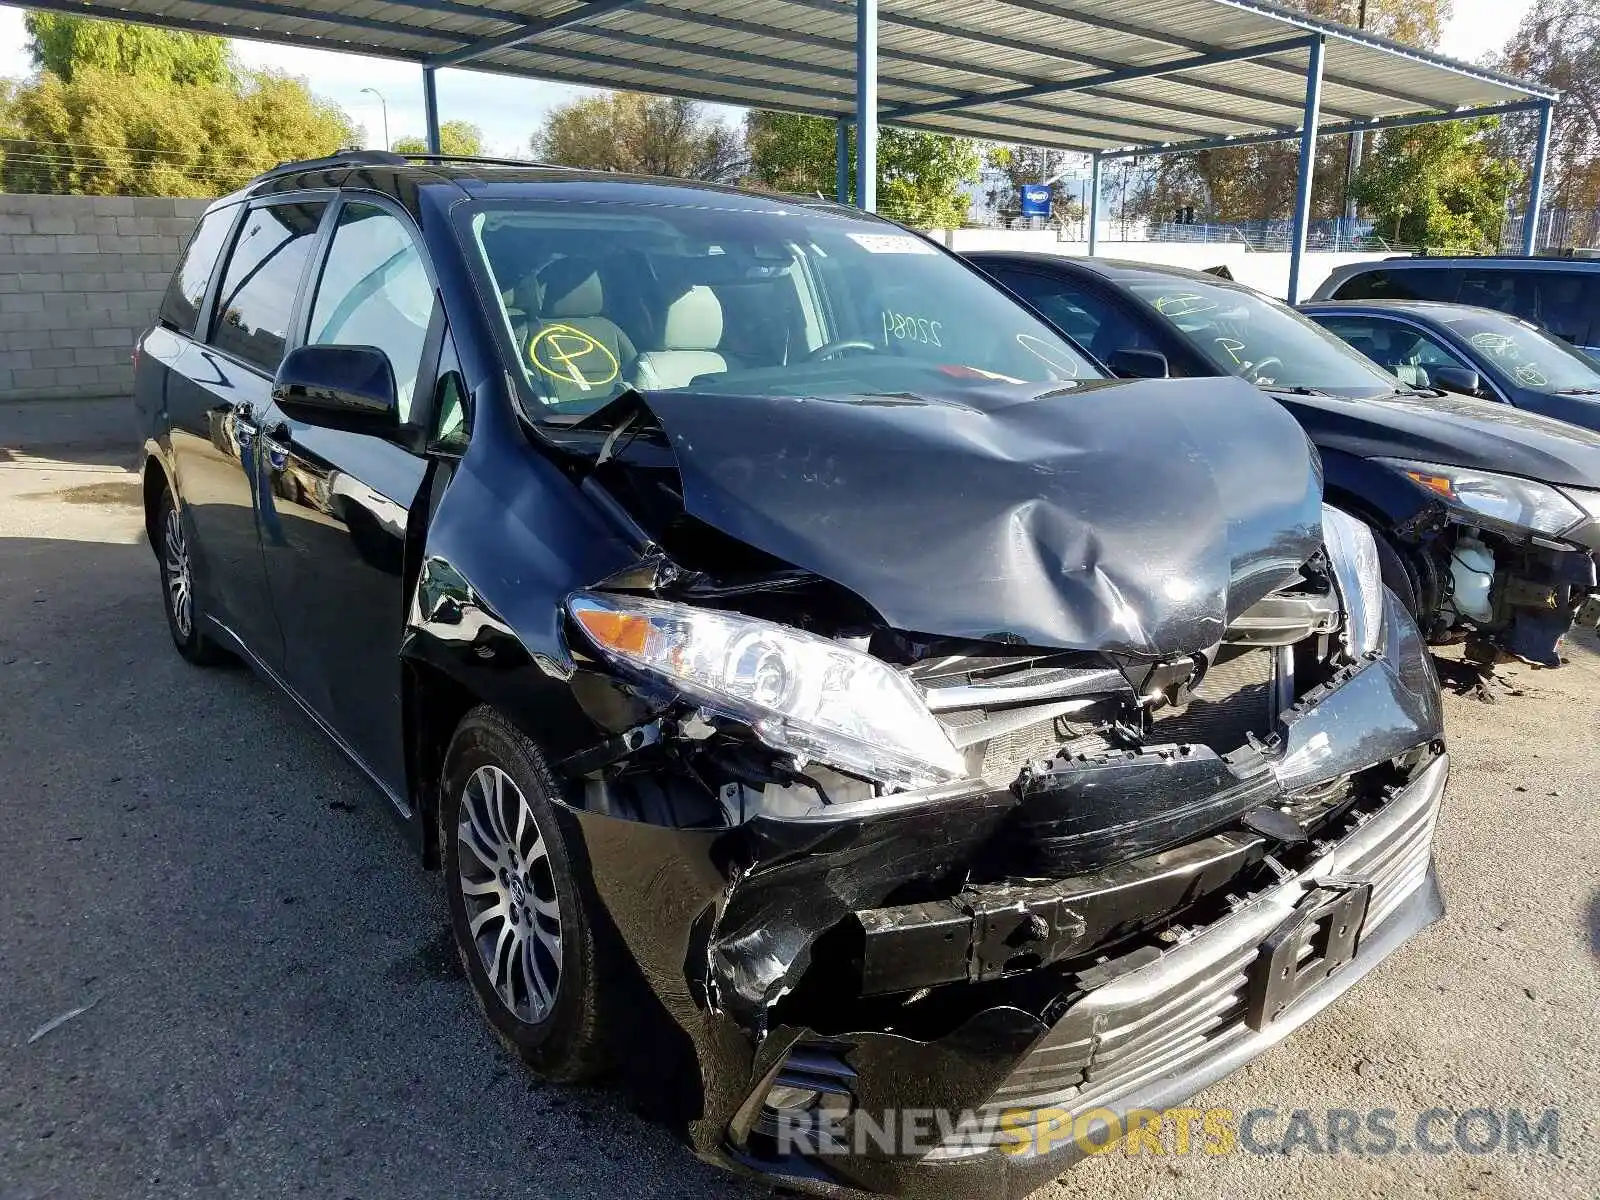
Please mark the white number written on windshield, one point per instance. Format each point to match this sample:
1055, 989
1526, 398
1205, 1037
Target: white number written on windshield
903, 327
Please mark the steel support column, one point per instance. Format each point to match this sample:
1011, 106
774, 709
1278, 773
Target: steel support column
1092, 216
1541, 156
430, 108
1308, 164
867, 105
841, 161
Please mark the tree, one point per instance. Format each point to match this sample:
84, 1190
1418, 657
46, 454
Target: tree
96, 135
61, 44
120, 110
1258, 182
640, 135
1440, 186
461, 138
920, 175
1558, 44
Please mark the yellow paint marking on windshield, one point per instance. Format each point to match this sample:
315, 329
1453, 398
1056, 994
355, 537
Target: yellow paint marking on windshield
1184, 304
573, 356
1234, 349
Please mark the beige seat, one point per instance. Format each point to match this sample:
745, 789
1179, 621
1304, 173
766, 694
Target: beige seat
577, 352
690, 336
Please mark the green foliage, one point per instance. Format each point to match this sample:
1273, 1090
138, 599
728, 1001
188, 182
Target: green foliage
97, 135
455, 137
1438, 186
61, 44
640, 135
1558, 45
920, 175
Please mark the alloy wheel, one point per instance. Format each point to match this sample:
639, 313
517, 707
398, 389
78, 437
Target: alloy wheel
513, 915
175, 559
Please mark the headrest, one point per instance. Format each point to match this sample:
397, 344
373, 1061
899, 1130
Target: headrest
572, 288
694, 321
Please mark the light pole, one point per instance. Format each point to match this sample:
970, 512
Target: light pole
1352, 164
385, 105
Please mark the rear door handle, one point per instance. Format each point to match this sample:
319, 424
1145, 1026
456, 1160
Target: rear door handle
278, 431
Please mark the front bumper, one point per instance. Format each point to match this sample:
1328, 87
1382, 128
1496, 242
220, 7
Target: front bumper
1156, 1035
723, 936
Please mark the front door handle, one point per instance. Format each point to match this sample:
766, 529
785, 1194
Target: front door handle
244, 411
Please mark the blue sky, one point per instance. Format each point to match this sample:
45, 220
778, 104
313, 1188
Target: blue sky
508, 110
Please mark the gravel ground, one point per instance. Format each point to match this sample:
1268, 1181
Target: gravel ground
271, 1007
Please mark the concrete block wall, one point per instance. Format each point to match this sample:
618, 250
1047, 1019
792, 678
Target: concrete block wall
80, 278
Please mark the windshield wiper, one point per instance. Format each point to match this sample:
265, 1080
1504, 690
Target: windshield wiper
1298, 389
1577, 392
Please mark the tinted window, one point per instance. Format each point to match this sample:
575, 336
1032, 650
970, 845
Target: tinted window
187, 291
775, 300
263, 275
1089, 319
375, 292
1559, 301
1402, 283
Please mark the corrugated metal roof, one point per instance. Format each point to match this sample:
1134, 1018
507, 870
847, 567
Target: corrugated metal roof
1050, 72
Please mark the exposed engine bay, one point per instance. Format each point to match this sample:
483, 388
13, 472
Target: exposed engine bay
1509, 593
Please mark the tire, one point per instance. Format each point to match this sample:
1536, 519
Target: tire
551, 1021
180, 602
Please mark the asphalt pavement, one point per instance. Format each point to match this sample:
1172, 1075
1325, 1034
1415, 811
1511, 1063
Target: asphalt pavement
223, 973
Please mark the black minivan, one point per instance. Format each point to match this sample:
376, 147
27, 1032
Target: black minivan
895, 749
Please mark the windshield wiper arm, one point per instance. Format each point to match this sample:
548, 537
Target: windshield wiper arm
1298, 389
1578, 391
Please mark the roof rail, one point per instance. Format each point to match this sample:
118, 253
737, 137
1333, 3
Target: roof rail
345, 158
483, 160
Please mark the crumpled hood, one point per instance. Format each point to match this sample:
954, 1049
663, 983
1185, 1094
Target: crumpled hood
1456, 431
1122, 516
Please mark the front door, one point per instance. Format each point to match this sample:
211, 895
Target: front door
334, 506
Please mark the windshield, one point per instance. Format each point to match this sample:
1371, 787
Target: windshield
595, 298
1261, 340
1525, 355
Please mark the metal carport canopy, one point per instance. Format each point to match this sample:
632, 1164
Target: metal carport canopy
1089, 75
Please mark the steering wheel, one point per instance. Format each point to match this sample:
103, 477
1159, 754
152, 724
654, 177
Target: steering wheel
1257, 370
829, 349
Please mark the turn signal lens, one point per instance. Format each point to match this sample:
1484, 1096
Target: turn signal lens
1434, 483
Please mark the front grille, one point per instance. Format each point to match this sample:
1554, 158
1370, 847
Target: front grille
1233, 699
1192, 1001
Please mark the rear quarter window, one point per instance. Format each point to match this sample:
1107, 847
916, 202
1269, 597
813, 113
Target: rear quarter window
180, 307
1401, 283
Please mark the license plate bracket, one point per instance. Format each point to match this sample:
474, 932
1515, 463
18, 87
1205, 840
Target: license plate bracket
1328, 921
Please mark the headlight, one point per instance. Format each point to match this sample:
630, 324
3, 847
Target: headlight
801, 694
1503, 498
1354, 556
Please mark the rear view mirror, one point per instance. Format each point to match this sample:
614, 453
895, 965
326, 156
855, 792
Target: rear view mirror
339, 387
1138, 364
1461, 380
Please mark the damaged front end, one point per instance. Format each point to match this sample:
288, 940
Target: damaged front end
869, 857
1505, 563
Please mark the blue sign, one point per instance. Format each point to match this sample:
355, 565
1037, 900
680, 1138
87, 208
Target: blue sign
1035, 200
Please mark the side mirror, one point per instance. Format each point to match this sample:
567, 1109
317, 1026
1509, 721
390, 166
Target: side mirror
1138, 364
339, 387
1455, 379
